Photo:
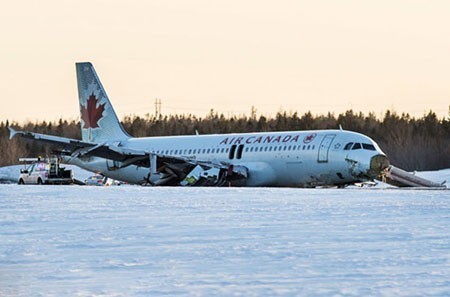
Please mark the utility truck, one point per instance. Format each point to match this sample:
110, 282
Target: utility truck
44, 171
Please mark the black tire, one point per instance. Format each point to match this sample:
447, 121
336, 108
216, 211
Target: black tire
39, 181
21, 182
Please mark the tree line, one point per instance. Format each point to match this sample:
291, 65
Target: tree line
410, 143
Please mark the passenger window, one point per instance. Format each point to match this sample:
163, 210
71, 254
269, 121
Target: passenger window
246, 149
251, 149
266, 148
348, 146
304, 146
308, 147
356, 146
222, 150
207, 151
190, 151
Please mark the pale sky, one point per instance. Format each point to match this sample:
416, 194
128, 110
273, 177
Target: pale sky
227, 55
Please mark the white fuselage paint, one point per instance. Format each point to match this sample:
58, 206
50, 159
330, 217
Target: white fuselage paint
296, 158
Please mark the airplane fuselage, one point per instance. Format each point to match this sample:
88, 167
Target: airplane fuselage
296, 158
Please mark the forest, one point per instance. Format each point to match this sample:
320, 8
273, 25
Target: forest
410, 143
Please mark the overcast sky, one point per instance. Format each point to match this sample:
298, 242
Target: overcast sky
227, 55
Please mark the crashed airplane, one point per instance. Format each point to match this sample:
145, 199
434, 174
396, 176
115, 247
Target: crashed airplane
287, 159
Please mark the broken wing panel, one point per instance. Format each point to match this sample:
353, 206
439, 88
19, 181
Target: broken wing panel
121, 155
178, 172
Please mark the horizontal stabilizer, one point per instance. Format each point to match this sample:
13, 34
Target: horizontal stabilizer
64, 142
12, 133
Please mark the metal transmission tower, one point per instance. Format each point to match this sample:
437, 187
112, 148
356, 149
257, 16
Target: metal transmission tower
157, 108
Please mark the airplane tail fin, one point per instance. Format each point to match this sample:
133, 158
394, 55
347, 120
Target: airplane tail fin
99, 122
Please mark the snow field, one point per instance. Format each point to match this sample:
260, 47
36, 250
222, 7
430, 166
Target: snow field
142, 241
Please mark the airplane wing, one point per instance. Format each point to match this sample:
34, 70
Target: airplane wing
65, 143
164, 169
78, 148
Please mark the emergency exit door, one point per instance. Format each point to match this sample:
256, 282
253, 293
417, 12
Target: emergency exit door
324, 148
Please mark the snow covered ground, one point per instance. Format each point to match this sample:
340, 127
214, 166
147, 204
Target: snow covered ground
142, 241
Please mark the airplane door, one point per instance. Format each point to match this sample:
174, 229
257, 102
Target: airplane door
325, 147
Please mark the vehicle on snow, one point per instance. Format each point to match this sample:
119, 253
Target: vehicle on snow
95, 180
44, 171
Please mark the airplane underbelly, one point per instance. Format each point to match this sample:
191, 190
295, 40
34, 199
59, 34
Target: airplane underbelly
131, 174
260, 174
308, 174
295, 174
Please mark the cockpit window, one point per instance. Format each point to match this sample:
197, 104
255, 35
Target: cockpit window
356, 146
369, 147
348, 146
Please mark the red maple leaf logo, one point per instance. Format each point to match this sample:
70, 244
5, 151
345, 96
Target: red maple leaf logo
309, 138
91, 114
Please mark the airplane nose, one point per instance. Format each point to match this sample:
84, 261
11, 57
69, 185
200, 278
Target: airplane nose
378, 164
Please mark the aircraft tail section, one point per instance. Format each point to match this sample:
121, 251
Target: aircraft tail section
99, 122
